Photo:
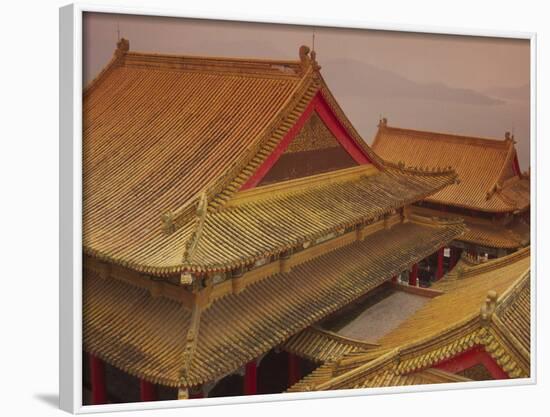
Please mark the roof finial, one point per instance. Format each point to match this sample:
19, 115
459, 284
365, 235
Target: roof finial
382, 122
122, 46
307, 58
313, 40
488, 307
117, 32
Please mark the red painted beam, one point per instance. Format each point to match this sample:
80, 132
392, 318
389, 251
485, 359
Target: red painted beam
321, 107
147, 391
516, 168
475, 356
294, 373
196, 392
439, 271
413, 275
99, 387
250, 378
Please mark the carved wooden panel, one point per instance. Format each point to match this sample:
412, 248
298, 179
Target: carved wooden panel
315, 150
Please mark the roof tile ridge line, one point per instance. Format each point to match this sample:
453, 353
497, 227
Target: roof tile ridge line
223, 185
382, 123
343, 119
495, 142
495, 263
497, 186
359, 220
512, 292
172, 218
371, 366
190, 346
422, 170
304, 184
278, 249
162, 271
216, 58
193, 241
470, 322
504, 336
507, 355
438, 221
121, 50
337, 337
470, 335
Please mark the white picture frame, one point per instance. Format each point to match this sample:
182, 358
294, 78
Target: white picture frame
70, 293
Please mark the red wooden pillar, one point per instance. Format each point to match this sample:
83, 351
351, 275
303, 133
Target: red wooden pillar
394, 278
439, 271
97, 373
294, 373
147, 391
413, 275
250, 374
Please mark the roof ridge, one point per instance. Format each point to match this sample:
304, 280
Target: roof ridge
222, 58
512, 292
346, 122
429, 135
465, 270
343, 339
421, 170
499, 182
174, 219
200, 218
190, 347
122, 48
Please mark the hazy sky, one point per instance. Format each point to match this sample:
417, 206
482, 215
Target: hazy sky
466, 85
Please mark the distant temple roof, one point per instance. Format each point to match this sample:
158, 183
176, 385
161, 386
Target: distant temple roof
169, 140
512, 234
489, 176
446, 326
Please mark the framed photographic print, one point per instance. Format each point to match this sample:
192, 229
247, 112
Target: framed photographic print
278, 210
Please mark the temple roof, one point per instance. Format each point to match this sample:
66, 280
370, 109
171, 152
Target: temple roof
509, 233
446, 326
160, 340
489, 177
169, 140
320, 345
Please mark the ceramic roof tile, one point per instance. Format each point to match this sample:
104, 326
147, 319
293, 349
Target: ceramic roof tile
484, 166
146, 336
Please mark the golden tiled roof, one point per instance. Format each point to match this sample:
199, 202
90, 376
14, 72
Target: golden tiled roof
512, 234
514, 312
446, 326
302, 211
165, 135
515, 235
484, 166
320, 345
151, 338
